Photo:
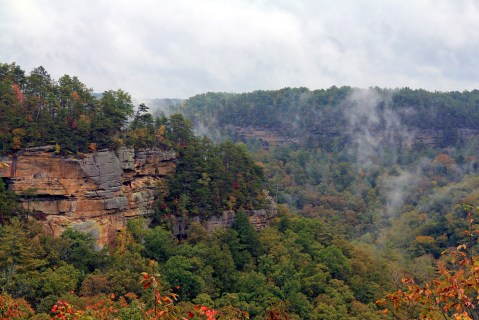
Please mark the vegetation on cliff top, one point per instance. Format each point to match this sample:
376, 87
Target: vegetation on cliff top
36, 110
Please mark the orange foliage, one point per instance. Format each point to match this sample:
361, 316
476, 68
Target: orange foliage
92, 147
117, 142
75, 96
84, 118
160, 134
425, 239
453, 294
445, 160
18, 92
19, 132
13, 309
71, 122
16, 143
102, 309
260, 164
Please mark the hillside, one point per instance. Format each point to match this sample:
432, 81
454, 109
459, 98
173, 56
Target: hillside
82, 170
316, 209
331, 118
358, 159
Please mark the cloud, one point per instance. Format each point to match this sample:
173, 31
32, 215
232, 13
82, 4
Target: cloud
374, 128
181, 48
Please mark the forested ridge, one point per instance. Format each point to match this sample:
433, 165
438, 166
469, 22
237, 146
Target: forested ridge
391, 168
362, 157
317, 116
367, 205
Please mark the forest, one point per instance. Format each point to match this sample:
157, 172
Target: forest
376, 192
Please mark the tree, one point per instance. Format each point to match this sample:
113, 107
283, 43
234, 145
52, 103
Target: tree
248, 236
18, 251
179, 130
240, 255
15, 309
81, 251
180, 272
453, 294
141, 132
335, 260
159, 244
143, 119
60, 280
9, 207
115, 109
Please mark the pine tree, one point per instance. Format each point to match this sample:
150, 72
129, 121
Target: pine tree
246, 233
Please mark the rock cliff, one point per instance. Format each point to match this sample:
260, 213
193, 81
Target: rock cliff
96, 193
259, 219
414, 137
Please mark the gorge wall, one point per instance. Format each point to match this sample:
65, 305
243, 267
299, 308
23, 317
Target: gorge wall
98, 192
95, 193
418, 137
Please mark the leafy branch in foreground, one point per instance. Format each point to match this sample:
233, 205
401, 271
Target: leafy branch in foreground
453, 294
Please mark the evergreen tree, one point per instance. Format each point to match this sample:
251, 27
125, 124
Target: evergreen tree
246, 233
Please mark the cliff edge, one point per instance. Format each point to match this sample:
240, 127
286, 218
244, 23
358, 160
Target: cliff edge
96, 193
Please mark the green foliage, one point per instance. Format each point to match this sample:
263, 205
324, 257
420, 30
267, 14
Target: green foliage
18, 251
36, 110
239, 252
247, 235
210, 178
335, 261
179, 272
238, 269
159, 244
81, 251
179, 130
61, 280
9, 207
318, 170
122, 280
320, 113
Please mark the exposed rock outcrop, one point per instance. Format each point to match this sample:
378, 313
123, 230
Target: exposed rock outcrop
266, 136
96, 193
259, 218
409, 137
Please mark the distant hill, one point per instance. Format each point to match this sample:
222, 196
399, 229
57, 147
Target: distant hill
328, 117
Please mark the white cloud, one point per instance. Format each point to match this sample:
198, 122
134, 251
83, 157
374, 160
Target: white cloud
180, 48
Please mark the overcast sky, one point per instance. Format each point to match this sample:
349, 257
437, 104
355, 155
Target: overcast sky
179, 48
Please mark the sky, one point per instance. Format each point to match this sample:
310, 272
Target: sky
180, 48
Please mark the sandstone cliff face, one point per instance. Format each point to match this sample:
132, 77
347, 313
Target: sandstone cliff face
94, 194
100, 191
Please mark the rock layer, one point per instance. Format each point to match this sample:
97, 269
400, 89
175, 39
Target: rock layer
96, 193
